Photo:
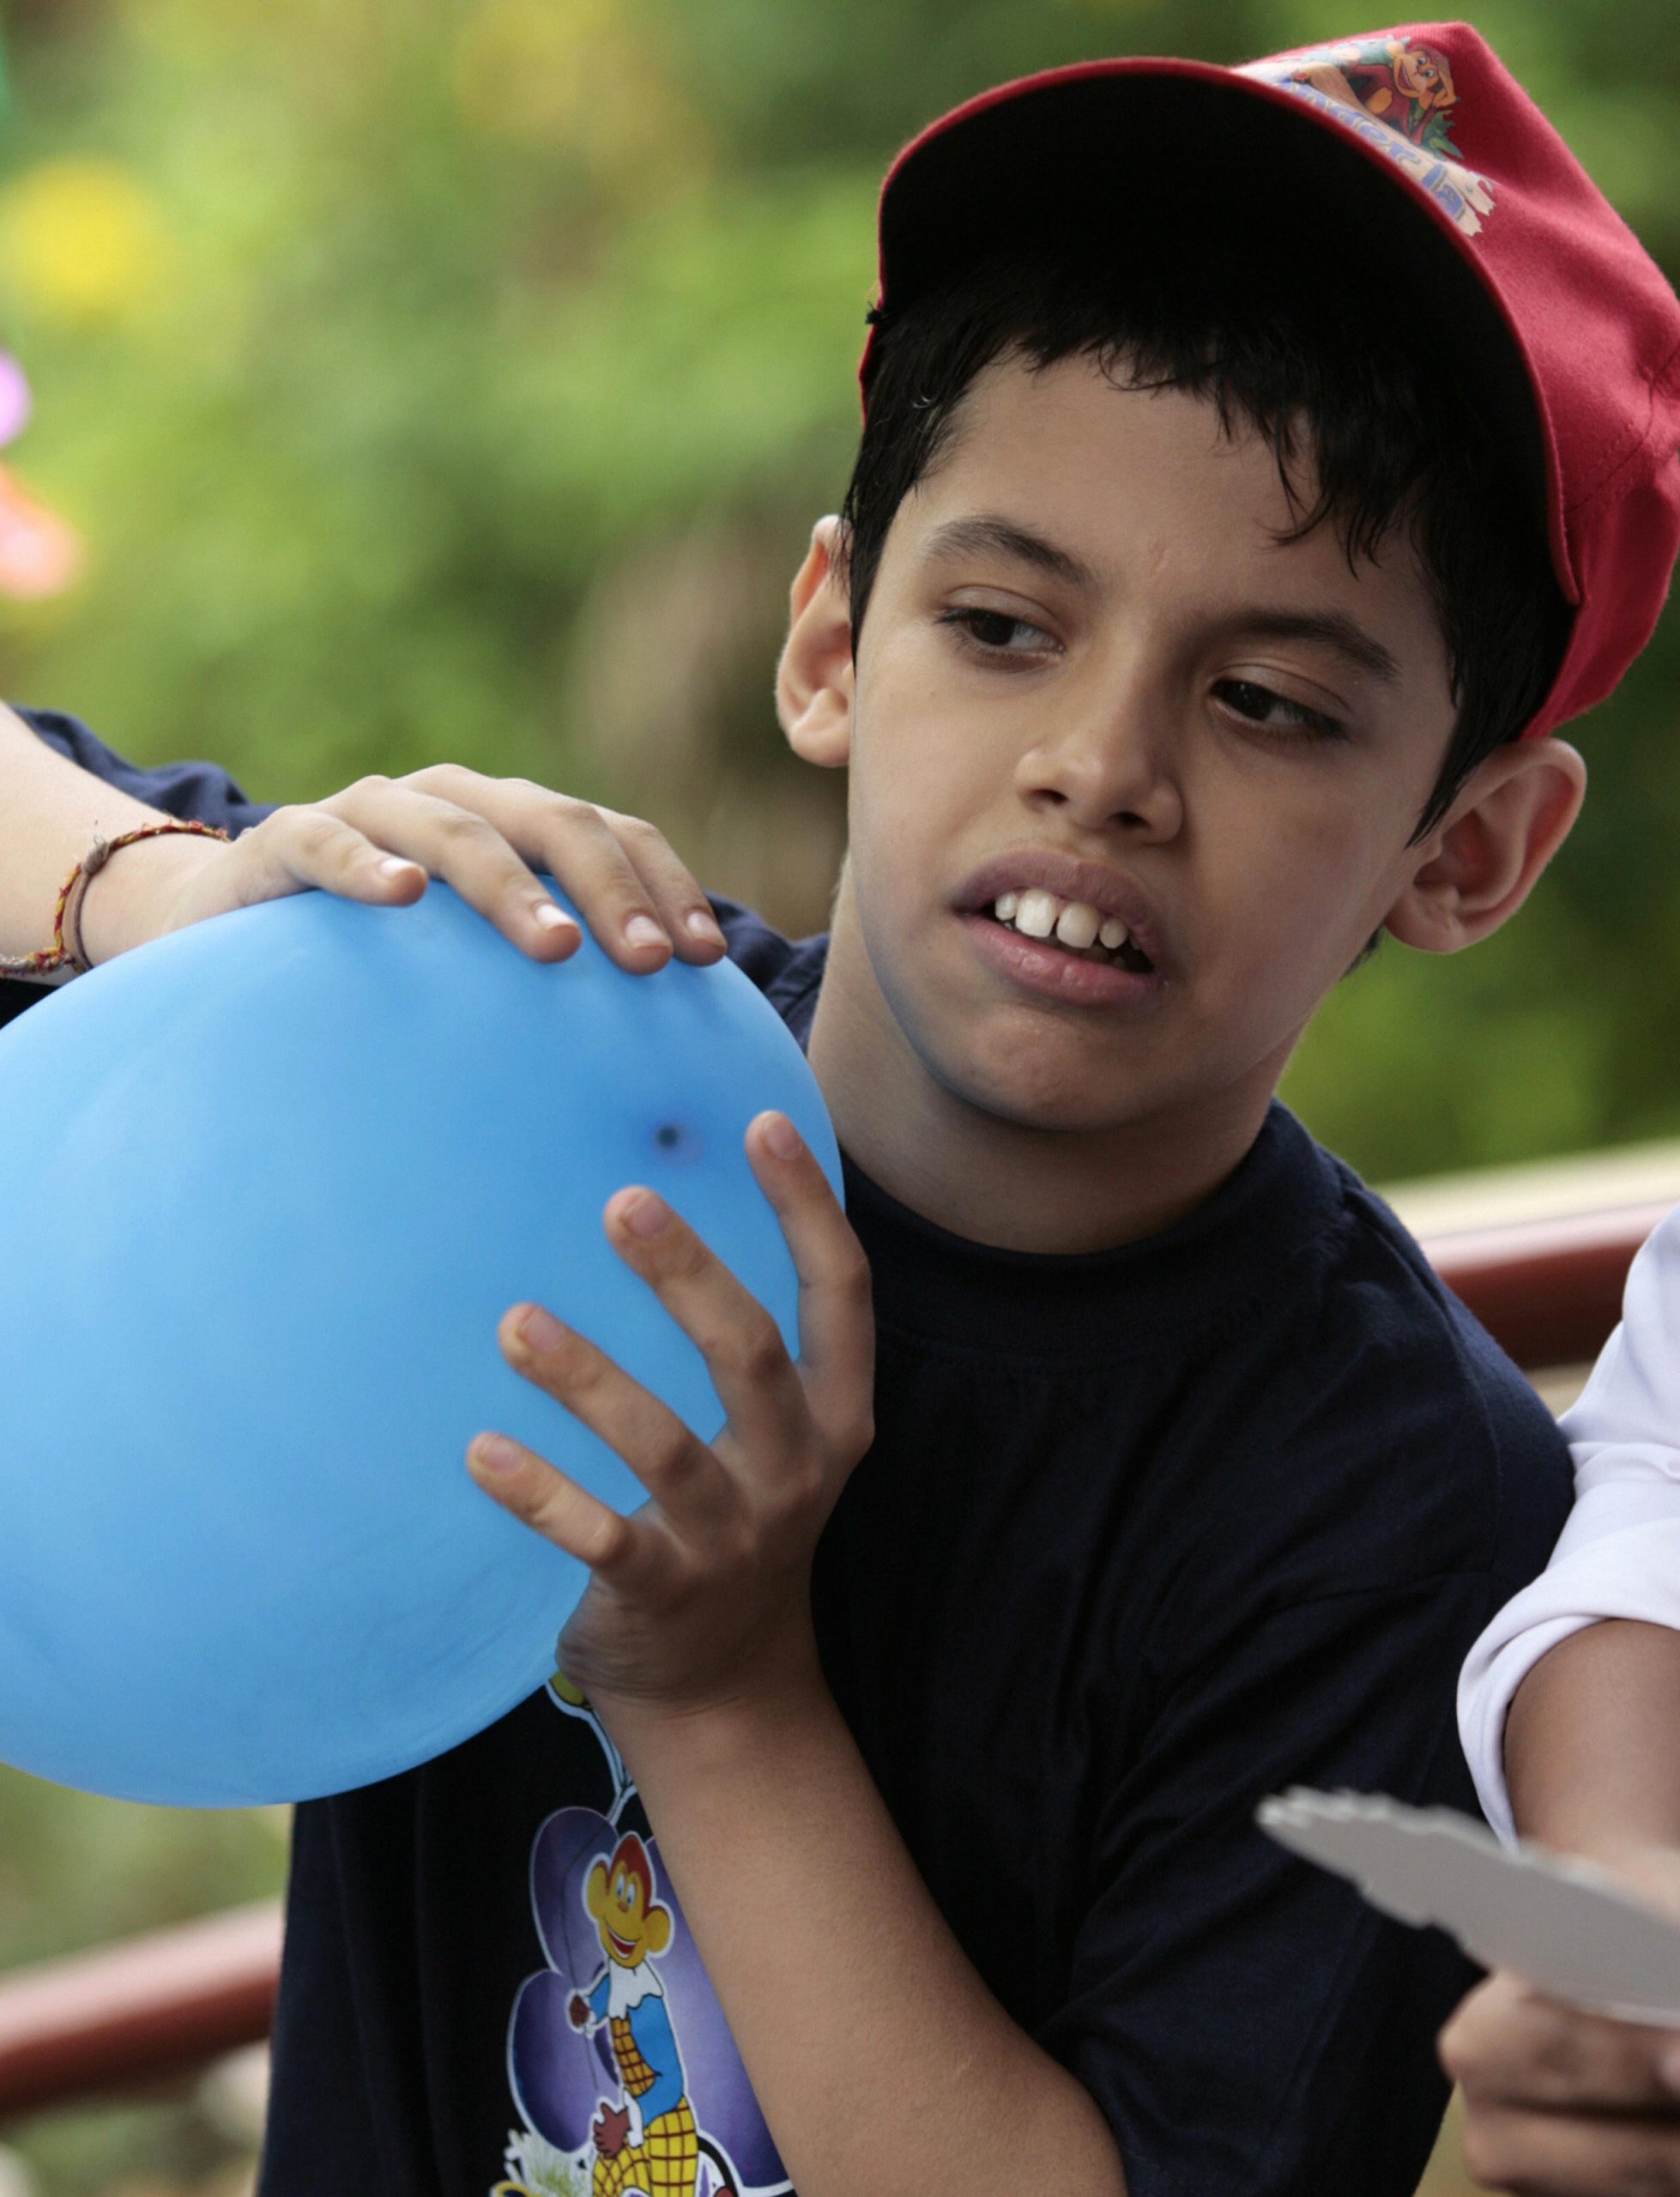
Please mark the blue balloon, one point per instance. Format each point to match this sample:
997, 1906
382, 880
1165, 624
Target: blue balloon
271, 1182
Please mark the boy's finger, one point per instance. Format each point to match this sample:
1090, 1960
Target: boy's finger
299, 849
678, 900
573, 842
469, 853
1507, 2044
837, 1320
742, 1346
679, 1471
1560, 2155
619, 872
588, 860
619, 1551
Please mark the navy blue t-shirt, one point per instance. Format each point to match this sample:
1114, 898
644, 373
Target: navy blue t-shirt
1145, 1536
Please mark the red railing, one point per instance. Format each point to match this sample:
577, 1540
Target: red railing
139, 2012
1550, 1290
162, 2006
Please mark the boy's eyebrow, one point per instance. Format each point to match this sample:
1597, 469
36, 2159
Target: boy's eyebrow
1333, 629
987, 535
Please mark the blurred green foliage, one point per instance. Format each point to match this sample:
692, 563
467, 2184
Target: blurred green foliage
459, 380
75, 1872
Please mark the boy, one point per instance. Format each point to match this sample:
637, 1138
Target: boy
1192, 591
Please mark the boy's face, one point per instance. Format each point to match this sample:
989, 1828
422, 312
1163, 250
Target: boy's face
1085, 645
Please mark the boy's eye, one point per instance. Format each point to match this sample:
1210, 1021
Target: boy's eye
1261, 705
997, 632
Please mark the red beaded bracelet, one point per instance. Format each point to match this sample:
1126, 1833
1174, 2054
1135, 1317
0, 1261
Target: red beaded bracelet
65, 951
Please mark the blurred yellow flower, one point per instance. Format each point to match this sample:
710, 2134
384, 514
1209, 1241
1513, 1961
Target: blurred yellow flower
81, 241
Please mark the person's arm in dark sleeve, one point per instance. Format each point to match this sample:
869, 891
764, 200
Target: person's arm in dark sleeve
202, 791
60, 789
495, 841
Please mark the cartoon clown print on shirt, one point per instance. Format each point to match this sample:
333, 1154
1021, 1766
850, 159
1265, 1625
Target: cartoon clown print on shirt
620, 2058
1400, 95
650, 2142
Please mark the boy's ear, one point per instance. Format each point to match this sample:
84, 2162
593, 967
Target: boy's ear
1479, 863
813, 681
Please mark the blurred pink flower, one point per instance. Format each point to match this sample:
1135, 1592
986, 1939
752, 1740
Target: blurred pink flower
16, 402
41, 554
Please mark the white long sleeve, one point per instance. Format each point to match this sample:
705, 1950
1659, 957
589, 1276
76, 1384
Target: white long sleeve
1619, 1554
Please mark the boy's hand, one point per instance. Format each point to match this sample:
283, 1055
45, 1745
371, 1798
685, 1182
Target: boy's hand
381, 838
1562, 2104
700, 1598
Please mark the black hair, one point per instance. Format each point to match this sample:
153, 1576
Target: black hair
1323, 310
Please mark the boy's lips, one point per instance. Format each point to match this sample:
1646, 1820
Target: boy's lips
1130, 976
1039, 965
1069, 879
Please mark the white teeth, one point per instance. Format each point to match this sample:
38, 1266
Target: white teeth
1038, 914
1035, 913
1077, 925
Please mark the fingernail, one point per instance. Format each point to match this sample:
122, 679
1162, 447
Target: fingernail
701, 925
647, 1216
782, 1137
540, 1330
495, 1453
394, 865
643, 930
551, 917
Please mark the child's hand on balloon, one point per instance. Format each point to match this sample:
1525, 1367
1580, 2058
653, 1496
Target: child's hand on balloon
379, 841
700, 1597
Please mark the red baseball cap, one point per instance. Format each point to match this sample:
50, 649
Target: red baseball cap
1591, 320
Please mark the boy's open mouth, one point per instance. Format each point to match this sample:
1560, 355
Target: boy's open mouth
1073, 925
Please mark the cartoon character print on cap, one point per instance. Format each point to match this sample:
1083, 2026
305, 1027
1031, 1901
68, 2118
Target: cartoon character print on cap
1399, 95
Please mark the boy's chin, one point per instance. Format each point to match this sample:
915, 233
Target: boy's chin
1062, 1104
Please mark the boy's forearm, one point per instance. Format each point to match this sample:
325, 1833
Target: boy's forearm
880, 2060
50, 812
1592, 1741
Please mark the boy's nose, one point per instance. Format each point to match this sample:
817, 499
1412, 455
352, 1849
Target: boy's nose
1106, 775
